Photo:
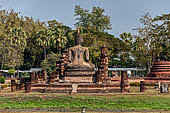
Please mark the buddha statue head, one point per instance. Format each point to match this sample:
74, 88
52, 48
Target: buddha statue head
78, 38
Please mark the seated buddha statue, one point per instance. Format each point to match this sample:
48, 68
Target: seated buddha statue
78, 55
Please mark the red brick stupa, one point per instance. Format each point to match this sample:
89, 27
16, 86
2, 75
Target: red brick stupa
160, 70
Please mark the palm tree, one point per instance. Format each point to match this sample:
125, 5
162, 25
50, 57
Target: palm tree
44, 39
60, 39
17, 38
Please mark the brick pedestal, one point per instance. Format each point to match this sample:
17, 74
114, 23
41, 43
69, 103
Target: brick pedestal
28, 87
32, 76
18, 87
142, 86
13, 85
124, 81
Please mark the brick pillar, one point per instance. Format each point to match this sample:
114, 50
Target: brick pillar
104, 60
37, 75
65, 57
13, 85
103, 67
142, 86
27, 85
58, 76
124, 81
45, 75
18, 87
32, 77
52, 77
62, 68
22, 84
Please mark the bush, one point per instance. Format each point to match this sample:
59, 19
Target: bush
2, 79
138, 84
135, 84
4, 86
11, 71
49, 64
25, 75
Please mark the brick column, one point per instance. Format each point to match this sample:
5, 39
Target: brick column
65, 57
13, 85
32, 77
142, 86
103, 67
37, 76
27, 85
52, 77
18, 87
124, 81
58, 70
45, 75
22, 84
62, 68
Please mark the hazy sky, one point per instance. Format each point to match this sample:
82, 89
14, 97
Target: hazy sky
125, 14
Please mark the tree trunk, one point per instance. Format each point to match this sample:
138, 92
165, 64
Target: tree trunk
59, 48
2, 65
45, 53
18, 71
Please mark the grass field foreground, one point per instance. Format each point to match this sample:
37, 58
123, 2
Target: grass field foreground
119, 101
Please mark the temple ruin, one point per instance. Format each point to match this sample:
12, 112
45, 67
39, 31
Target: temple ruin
76, 74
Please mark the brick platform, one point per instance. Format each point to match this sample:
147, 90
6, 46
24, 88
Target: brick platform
82, 88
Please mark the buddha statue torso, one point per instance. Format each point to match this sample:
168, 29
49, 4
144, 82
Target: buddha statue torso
79, 57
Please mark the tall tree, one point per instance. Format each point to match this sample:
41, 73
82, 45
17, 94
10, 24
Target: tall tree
17, 38
163, 32
94, 21
44, 39
63, 35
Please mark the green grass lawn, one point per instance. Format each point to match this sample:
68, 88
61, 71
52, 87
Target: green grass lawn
112, 101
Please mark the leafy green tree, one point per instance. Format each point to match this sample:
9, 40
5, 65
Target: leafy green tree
17, 38
163, 32
33, 52
49, 64
152, 43
44, 39
94, 21
60, 38
128, 41
63, 35
11, 72
2, 79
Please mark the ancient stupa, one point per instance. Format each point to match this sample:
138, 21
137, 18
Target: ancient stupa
160, 71
79, 69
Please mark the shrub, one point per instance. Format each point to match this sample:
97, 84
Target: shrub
11, 71
4, 86
2, 79
49, 64
24, 75
135, 84
138, 84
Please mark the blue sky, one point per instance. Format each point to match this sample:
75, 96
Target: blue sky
125, 14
